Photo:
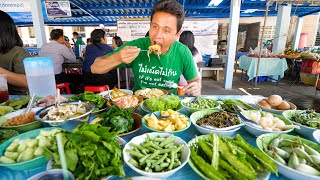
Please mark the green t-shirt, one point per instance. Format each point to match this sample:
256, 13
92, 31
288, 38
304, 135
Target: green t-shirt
156, 72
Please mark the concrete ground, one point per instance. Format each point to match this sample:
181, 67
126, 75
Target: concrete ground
301, 95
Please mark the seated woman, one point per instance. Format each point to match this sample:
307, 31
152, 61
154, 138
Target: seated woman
12, 55
98, 48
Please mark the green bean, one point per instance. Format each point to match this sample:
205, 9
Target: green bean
155, 146
143, 151
159, 168
134, 163
169, 145
139, 147
151, 149
168, 140
134, 153
168, 160
160, 139
179, 149
154, 154
171, 160
263, 159
160, 160
176, 164
163, 164
143, 159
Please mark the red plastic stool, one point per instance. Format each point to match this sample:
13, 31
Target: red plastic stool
96, 89
61, 86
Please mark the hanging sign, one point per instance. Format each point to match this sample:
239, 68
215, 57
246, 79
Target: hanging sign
129, 30
58, 8
18, 10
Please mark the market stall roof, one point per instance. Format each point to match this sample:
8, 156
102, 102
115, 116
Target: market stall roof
107, 12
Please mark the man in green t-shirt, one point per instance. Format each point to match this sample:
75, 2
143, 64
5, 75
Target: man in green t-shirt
165, 65
77, 41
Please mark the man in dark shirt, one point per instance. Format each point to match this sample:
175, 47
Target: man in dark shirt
98, 48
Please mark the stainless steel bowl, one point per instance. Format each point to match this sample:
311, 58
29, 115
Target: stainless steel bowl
82, 118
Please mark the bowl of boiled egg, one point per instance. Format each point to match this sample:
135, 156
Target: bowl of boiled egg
274, 104
261, 122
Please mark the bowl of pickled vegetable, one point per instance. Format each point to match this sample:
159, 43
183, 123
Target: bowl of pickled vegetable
221, 122
201, 103
157, 155
308, 120
296, 158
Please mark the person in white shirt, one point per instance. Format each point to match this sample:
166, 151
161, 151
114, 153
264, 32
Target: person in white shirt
60, 51
187, 38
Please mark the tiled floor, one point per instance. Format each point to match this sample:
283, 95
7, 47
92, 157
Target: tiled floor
301, 95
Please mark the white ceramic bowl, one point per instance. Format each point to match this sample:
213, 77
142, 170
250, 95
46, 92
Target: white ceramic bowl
275, 111
263, 141
316, 135
140, 139
192, 110
199, 114
105, 93
304, 130
259, 131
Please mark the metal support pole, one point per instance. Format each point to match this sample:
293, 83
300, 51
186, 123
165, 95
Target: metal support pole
261, 43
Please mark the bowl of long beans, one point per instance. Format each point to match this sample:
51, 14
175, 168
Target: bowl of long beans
157, 155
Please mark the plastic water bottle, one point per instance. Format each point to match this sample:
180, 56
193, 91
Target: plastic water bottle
40, 76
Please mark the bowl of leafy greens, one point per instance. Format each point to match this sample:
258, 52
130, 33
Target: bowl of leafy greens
308, 120
96, 99
162, 104
122, 121
6, 134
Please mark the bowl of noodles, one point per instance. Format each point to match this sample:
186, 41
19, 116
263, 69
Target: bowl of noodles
147, 93
20, 122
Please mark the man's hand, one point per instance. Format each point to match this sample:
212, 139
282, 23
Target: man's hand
67, 44
193, 88
128, 54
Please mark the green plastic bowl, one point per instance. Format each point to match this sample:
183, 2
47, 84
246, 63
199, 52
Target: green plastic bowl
25, 165
144, 122
21, 128
143, 107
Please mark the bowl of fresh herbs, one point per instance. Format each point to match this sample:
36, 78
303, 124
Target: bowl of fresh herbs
308, 120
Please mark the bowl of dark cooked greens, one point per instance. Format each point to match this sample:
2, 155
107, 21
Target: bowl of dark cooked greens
215, 121
308, 120
6, 134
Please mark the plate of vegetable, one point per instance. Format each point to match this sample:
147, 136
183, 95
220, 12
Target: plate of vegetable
6, 134
308, 120
122, 121
18, 103
201, 104
260, 122
20, 122
296, 158
166, 121
92, 151
96, 99
170, 155
162, 104
26, 151
151, 93
215, 121
222, 157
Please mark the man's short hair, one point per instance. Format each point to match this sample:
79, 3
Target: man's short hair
75, 34
172, 7
55, 34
